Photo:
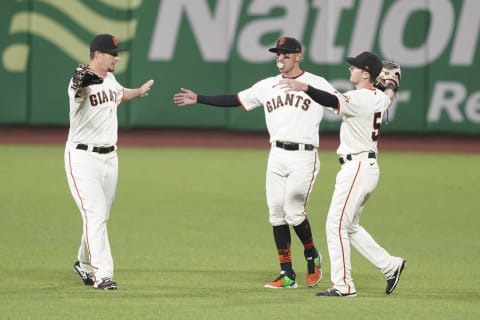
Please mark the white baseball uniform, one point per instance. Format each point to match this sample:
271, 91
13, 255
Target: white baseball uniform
293, 120
362, 111
91, 166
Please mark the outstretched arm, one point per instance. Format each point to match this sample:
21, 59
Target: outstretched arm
322, 97
185, 97
142, 91
188, 97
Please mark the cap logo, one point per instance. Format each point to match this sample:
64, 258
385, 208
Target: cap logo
282, 41
115, 41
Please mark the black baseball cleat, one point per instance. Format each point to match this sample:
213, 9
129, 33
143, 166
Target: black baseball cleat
106, 284
86, 278
332, 292
392, 281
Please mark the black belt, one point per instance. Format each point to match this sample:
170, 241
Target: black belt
348, 157
96, 149
293, 146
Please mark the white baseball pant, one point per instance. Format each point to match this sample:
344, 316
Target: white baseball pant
92, 178
355, 182
289, 181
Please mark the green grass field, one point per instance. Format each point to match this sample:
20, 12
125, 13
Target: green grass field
191, 239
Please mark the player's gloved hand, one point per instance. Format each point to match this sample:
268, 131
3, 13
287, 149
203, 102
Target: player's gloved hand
389, 77
84, 77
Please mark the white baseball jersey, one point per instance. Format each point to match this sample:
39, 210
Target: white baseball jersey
362, 113
290, 116
93, 120
93, 176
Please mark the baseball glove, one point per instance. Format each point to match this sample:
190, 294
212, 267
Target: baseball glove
83, 77
390, 71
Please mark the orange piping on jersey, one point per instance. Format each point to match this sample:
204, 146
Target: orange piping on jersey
84, 212
241, 104
310, 185
340, 225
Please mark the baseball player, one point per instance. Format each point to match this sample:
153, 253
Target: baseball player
293, 121
91, 162
362, 111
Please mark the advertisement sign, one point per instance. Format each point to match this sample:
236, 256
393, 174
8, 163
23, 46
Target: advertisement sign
221, 46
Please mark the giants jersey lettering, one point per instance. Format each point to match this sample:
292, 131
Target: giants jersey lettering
288, 99
362, 112
102, 97
290, 116
93, 118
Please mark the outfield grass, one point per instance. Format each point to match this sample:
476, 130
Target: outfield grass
191, 239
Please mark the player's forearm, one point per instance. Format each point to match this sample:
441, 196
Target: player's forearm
226, 100
129, 94
324, 98
142, 91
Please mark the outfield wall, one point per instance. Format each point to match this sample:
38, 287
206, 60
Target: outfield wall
221, 47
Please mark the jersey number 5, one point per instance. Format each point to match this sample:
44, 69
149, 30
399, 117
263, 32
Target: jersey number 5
377, 123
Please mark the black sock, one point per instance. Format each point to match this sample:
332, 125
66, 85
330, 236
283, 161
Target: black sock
304, 233
282, 237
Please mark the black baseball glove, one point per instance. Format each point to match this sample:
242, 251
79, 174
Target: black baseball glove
390, 71
83, 77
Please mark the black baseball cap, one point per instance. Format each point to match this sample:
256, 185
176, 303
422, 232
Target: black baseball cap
105, 43
367, 61
286, 44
